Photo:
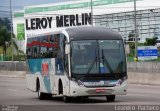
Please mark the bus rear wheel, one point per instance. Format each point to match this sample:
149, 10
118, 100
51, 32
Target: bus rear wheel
110, 98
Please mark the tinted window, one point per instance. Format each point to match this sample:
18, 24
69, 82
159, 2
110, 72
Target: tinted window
43, 46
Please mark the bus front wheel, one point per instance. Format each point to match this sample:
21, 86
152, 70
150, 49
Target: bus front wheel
110, 98
66, 99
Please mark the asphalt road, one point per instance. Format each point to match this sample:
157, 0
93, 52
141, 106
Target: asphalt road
13, 92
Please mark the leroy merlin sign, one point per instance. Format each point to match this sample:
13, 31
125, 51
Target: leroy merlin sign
61, 21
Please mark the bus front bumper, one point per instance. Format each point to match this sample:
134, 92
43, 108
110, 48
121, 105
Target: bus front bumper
76, 90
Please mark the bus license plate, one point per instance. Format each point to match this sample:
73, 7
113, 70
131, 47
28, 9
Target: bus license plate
100, 90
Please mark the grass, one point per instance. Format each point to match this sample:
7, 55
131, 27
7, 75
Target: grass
131, 59
8, 53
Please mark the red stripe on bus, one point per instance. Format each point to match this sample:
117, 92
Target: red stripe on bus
36, 43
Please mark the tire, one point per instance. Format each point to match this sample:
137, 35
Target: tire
81, 97
86, 97
66, 99
60, 87
49, 96
41, 95
110, 98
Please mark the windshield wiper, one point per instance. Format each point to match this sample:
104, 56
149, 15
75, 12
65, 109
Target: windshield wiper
95, 61
107, 63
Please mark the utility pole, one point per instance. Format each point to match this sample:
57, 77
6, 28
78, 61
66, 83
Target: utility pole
11, 29
135, 26
92, 12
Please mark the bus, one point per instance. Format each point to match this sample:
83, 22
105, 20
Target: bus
77, 62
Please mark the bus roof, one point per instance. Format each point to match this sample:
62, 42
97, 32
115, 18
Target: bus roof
86, 33
95, 33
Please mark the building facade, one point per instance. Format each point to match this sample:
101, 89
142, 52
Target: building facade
115, 14
148, 23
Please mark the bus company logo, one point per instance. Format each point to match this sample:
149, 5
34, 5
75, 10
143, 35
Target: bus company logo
45, 69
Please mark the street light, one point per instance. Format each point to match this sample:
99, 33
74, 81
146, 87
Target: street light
11, 33
91, 12
135, 26
11, 29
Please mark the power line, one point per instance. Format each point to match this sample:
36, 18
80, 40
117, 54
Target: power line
12, 6
5, 14
4, 11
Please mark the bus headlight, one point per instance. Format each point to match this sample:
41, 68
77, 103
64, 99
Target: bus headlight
120, 81
80, 83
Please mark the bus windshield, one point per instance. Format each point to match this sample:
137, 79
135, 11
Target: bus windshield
97, 57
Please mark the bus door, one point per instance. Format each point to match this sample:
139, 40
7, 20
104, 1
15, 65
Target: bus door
61, 66
57, 77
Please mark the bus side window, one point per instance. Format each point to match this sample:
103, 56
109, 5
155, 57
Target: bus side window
66, 63
28, 51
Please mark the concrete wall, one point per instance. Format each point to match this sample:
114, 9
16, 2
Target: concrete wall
138, 72
144, 73
12, 66
144, 78
141, 67
144, 67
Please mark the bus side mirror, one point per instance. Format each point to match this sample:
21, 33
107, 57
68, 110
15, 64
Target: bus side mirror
67, 49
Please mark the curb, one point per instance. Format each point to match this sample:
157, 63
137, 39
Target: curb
14, 74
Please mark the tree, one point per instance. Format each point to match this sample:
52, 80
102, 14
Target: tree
150, 41
5, 22
4, 39
5, 36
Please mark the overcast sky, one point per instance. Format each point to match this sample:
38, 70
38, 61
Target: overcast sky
19, 4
